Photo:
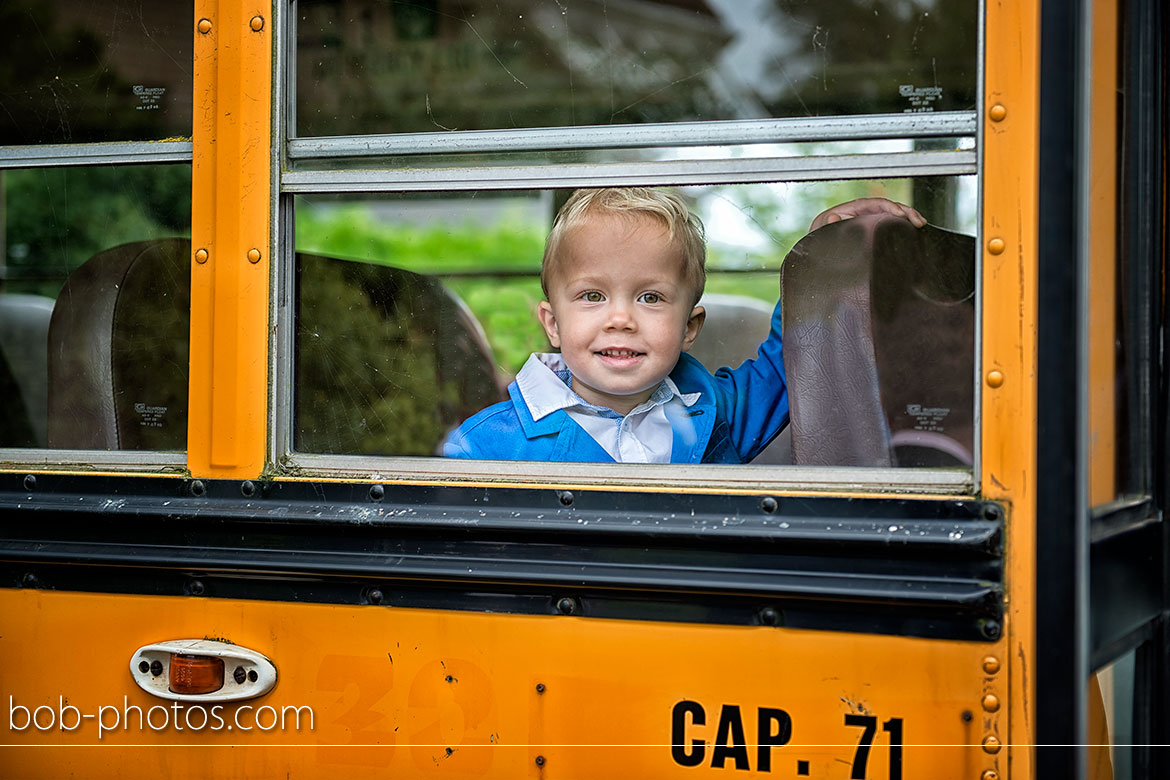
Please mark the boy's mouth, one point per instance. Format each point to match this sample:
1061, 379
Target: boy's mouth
619, 353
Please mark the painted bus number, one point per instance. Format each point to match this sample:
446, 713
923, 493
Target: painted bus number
861, 757
773, 729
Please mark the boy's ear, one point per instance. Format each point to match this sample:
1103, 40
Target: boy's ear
694, 325
548, 321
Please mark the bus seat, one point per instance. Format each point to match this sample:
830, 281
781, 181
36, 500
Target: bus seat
24, 373
386, 359
118, 344
879, 344
734, 328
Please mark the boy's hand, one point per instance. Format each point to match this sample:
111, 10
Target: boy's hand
856, 208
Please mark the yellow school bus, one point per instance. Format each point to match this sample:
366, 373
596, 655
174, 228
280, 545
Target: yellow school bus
258, 260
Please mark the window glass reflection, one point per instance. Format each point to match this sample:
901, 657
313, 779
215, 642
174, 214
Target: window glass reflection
79, 71
393, 293
94, 307
367, 66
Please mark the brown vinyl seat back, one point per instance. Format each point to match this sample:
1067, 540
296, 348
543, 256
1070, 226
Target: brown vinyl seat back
386, 359
24, 372
118, 345
879, 344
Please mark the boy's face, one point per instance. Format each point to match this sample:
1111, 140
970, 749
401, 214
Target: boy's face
619, 309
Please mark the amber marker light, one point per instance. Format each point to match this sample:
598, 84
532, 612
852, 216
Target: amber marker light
195, 674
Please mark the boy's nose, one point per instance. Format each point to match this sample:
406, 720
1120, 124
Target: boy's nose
620, 317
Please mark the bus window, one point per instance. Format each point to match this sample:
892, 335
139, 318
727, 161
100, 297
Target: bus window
439, 139
392, 291
377, 67
81, 71
85, 335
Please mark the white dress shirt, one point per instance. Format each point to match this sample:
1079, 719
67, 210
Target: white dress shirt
642, 436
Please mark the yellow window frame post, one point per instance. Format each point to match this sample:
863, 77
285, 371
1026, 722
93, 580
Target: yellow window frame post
230, 239
1010, 297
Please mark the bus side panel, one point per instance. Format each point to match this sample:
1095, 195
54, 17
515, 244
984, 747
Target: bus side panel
378, 691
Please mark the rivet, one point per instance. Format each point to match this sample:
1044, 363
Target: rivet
995, 378
257, 23
30, 482
247, 488
540, 760
567, 606
998, 112
196, 588
540, 687
991, 702
143, 667
156, 668
565, 497
253, 255
996, 246
769, 616
375, 596
205, 26
991, 744
200, 255
769, 504
991, 664
989, 774
240, 675
377, 492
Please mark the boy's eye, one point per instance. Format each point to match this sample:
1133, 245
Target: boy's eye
651, 298
593, 296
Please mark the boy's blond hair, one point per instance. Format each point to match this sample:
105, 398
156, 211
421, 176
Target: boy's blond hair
665, 207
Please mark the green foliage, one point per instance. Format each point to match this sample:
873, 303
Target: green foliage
506, 308
57, 218
355, 232
762, 286
504, 305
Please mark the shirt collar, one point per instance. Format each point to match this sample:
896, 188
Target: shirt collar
544, 384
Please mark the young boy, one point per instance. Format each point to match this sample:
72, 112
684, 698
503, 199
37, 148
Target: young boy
623, 272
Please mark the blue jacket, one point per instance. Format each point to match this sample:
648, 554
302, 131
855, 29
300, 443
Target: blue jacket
738, 413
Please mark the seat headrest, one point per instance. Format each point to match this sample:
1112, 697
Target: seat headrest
879, 339
118, 357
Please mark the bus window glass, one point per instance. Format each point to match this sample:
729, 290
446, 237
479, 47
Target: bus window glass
367, 66
415, 311
77, 71
94, 306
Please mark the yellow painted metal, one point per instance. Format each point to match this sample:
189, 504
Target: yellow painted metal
1102, 330
417, 693
1008, 466
230, 205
